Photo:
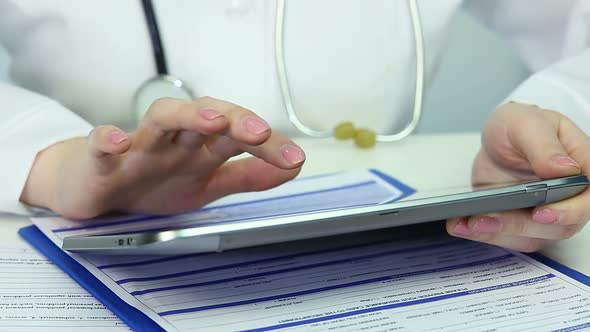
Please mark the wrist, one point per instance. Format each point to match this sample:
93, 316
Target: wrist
42, 187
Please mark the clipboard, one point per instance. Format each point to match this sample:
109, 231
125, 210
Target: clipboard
129, 314
138, 320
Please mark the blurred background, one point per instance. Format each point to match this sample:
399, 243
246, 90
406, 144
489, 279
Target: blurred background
476, 73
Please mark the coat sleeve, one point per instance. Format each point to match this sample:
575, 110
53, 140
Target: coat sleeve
29, 123
563, 87
553, 39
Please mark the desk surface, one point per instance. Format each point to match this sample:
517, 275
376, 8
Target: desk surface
424, 162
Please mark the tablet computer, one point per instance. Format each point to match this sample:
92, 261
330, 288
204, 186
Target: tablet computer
418, 208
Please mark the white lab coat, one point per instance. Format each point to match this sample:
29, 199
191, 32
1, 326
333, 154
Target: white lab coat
78, 63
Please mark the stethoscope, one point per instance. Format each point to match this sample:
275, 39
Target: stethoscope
163, 84
166, 85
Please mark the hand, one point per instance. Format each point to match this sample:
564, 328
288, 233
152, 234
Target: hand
174, 162
523, 142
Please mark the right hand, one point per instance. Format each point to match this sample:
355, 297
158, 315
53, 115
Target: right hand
174, 162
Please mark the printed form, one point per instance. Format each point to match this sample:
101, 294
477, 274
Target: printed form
379, 281
36, 295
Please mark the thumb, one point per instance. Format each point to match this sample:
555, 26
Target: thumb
538, 141
105, 144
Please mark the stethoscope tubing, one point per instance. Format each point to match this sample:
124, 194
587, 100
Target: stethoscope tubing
286, 91
163, 76
156, 41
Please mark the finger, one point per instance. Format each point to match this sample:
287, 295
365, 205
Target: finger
189, 140
486, 171
278, 150
247, 128
459, 228
536, 138
250, 174
107, 140
221, 148
518, 223
105, 144
574, 210
501, 232
517, 243
167, 116
246, 133
244, 125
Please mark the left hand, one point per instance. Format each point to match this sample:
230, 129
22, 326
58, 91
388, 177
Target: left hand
523, 142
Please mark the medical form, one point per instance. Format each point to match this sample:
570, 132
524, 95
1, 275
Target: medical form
36, 295
389, 280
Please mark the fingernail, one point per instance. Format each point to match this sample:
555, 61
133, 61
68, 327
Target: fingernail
487, 225
118, 137
546, 216
292, 154
255, 125
462, 229
209, 113
566, 161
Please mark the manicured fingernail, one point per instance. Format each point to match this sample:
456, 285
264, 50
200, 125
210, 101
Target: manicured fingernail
292, 154
255, 125
209, 113
462, 229
566, 161
487, 225
546, 216
118, 137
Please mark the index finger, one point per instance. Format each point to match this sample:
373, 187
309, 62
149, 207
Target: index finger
171, 114
168, 116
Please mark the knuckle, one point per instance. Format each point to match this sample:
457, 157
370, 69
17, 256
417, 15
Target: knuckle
572, 216
236, 110
238, 113
185, 108
160, 102
521, 228
100, 131
450, 225
483, 238
93, 132
532, 245
567, 232
550, 113
504, 108
205, 100
246, 181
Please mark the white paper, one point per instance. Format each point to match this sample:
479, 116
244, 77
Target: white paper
35, 295
376, 282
